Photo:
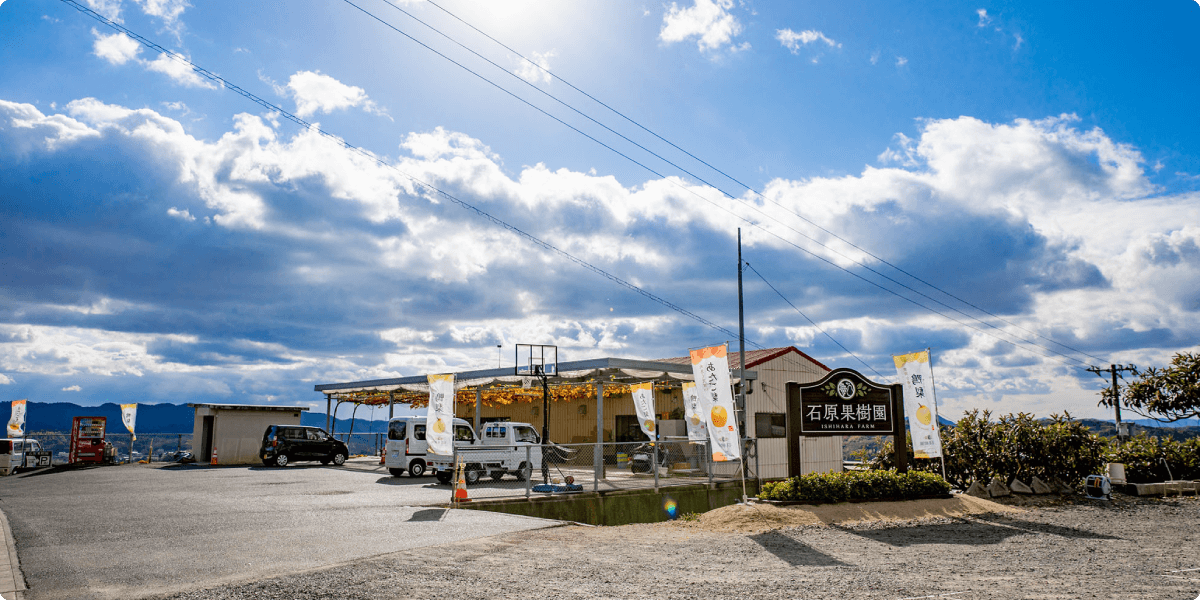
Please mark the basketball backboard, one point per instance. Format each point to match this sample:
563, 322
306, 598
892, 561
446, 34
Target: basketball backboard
537, 359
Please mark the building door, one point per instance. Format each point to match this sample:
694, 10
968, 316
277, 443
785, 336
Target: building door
206, 438
628, 430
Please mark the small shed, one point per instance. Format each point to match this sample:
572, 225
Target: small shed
231, 434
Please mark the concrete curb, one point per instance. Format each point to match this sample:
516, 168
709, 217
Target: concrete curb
12, 583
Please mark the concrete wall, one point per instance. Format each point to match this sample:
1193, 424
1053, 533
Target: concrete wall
238, 433
622, 507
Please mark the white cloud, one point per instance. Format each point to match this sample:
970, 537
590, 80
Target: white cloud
180, 214
1053, 225
315, 92
535, 74
179, 71
117, 48
5, 379
795, 40
167, 10
707, 20
901, 61
984, 19
72, 388
109, 9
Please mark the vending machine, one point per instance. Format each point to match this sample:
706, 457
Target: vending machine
87, 440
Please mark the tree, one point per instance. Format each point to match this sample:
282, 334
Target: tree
1168, 394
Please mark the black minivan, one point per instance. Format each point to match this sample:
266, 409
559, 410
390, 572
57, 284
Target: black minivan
283, 444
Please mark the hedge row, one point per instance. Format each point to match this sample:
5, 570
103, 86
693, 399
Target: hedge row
1019, 446
831, 488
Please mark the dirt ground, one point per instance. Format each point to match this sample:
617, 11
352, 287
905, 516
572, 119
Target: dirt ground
961, 548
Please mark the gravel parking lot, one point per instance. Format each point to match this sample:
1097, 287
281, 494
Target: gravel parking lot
1130, 548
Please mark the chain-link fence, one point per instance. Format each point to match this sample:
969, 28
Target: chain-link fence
363, 444
494, 471
150, 447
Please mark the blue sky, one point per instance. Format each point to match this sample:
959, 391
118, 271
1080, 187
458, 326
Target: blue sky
168, 240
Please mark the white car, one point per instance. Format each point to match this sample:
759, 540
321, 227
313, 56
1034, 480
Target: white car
13, 451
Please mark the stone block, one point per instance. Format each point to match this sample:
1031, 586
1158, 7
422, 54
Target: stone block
1018, 487
978, 490
997, 489
1040, 487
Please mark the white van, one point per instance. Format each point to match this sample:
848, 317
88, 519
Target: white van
13, 451
406, 448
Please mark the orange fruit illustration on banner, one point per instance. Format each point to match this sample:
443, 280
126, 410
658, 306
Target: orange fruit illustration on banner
718, 416
719, 456
649, 425
923, 415
695, 419
439, 426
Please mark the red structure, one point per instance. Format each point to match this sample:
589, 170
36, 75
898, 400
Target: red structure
87, 440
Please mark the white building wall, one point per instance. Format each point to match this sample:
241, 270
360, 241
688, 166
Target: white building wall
819, 454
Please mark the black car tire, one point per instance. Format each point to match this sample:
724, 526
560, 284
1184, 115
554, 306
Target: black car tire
339, 458
266, 463
497, 475
396, 472
472, 474
416, 468
281, 460
444, 477
523, 472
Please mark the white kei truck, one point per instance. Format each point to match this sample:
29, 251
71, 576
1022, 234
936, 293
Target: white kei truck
504, 448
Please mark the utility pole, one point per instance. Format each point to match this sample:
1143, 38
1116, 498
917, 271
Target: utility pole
1115, 370
742, 347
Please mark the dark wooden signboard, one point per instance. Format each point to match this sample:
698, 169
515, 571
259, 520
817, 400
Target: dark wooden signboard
844, 403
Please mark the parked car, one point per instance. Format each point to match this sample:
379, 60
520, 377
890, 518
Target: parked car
285, 444
406, 446
13, 451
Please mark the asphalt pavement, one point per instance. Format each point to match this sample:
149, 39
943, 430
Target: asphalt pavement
140, 530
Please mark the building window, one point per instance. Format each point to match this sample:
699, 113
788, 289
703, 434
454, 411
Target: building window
770, 425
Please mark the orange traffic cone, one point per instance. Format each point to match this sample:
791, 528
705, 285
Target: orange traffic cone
213, 460
382, 452
460, 488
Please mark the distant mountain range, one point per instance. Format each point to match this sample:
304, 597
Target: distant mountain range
179, 418
151, 418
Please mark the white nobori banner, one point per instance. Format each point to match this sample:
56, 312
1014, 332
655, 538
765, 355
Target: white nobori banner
710, 366
129, 418
920, 403
693, 413
643, 405
439, 420
16, 422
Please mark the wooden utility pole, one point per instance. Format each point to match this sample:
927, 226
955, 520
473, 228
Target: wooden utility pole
1115, 370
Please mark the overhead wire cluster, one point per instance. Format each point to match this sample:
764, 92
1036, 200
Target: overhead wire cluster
999, 333
973, 322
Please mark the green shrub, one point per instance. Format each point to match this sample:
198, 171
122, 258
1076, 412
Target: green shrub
1143, 458
831, 488
978, 448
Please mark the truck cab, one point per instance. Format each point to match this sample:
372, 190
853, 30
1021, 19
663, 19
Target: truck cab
503, 448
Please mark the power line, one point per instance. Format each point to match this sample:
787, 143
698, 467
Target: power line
728, 176
709, 184
814, 323
341, 142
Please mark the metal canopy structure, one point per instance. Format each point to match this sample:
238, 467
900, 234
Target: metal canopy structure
577, 376
597, 371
